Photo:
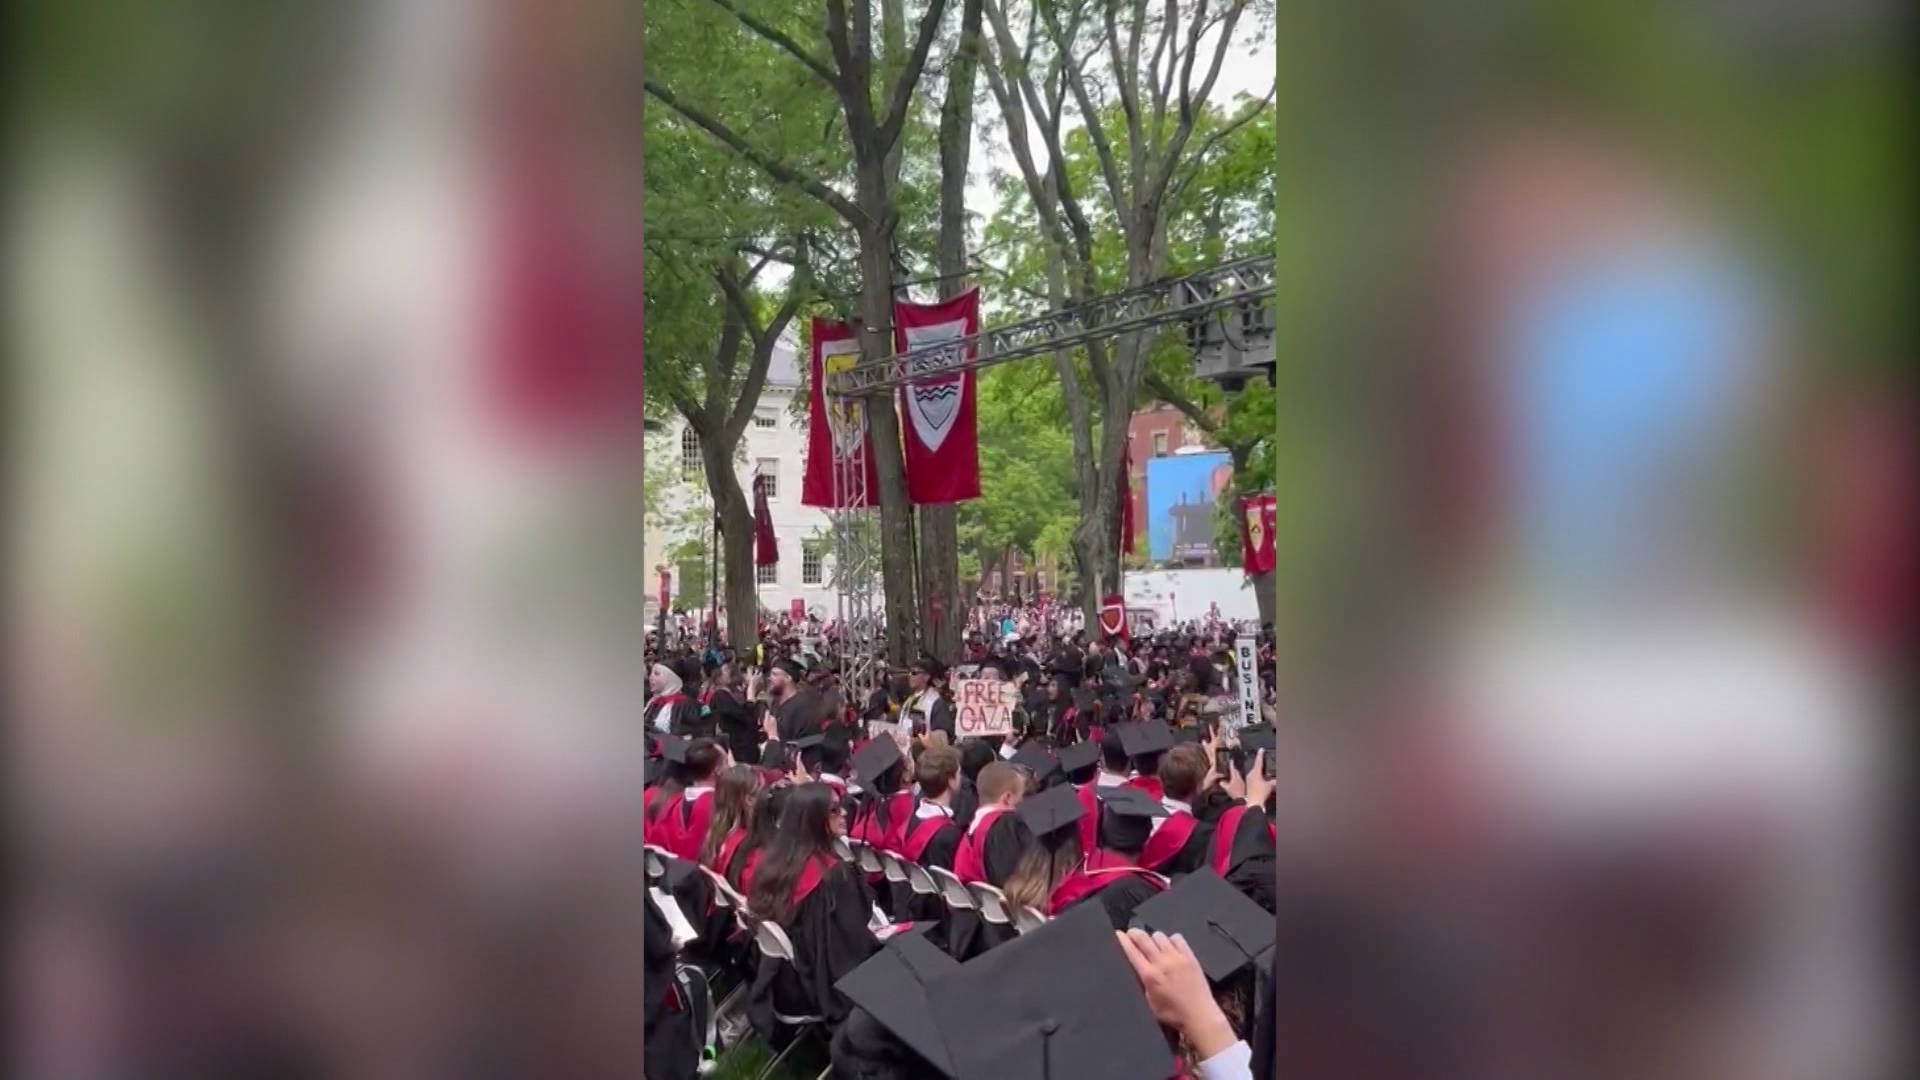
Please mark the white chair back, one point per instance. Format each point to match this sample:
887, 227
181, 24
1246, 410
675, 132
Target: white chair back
991, 902
843, 848
1026, 919
724, 894
894, 869
868, 859
919, 880
955, 891
772, 940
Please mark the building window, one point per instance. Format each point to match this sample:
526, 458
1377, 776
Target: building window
689, 454
766, 477
812, 562
767, 575
1159, 443
765, 423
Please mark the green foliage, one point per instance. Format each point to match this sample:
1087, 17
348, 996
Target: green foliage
1028, 492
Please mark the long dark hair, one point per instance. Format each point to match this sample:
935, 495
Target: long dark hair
805, 833
733, 797
673, 783
760, 830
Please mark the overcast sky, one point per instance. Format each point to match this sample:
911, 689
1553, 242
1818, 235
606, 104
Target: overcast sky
1248, 68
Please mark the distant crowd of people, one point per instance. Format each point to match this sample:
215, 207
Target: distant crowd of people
1131, 799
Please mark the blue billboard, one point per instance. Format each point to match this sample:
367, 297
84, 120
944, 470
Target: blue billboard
1182, 490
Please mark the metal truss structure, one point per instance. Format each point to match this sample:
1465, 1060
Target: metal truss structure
1234, 285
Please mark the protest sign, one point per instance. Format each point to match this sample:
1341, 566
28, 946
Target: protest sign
887, 729
983, 707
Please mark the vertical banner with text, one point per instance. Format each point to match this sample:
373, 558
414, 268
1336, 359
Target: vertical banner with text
1246, 659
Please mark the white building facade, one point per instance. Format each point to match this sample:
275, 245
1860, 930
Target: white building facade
772, 452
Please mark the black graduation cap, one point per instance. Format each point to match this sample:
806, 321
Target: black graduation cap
876, 757
1226, 930
1052, 809
1037, 760
1130, 802
674, 748
1079, 756
1146, 737
892, 986
1189, 734
1058, 1003
808, 742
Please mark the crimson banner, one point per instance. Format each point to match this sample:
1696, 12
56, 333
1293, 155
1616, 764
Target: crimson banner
1113, 618
766, 546
833, 427
941, 436
1257, 515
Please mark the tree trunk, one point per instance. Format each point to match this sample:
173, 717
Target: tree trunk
939, 525
739, 581
876, 343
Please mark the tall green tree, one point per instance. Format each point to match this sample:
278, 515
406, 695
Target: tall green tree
875, 91
1132, 80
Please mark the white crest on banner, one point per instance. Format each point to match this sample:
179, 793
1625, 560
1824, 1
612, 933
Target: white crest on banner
846, 417
933, 405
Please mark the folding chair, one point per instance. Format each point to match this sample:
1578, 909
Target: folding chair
865, 856
953, 890
1026, 919
918, 879
893, 868
774, 943
656, 862
991, 902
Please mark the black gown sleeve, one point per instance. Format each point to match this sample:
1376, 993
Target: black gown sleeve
1252, 864
831, 936
1193, 854
1001, 851
941, 849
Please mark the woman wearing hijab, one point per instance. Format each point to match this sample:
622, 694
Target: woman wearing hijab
670, 711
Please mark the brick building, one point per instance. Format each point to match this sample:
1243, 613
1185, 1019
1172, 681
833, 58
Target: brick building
1157, 431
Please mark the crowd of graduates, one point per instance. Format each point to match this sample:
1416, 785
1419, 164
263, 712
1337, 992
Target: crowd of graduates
1094, 893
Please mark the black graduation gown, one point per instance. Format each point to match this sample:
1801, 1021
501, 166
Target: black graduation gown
966, 800
830, 938
671, 1050
798, 716
1000, 849
941, 849
1120, 899
1251, 862
1192, 854
683, 719
735, 722
968, 935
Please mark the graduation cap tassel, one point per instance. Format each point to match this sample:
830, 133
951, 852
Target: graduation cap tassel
1046, 1048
